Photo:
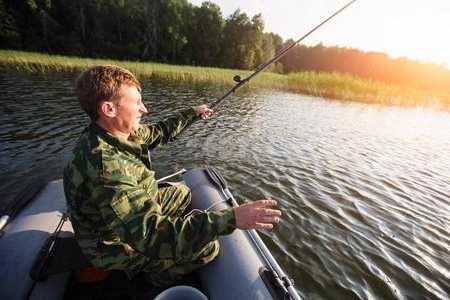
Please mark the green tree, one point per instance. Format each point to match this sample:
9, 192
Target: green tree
172, 38
205, 34
9, 33
235, 42
163, 31
256, 41
151, 25
29, 21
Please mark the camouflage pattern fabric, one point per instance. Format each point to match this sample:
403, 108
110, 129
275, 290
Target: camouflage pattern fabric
122, 220
163, 272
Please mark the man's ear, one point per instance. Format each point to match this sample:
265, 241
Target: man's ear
108, 109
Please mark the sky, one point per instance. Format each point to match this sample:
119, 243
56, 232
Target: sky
415, 29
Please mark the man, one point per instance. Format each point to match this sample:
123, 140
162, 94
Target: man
121, 218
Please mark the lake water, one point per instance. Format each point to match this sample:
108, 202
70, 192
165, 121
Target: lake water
364, 189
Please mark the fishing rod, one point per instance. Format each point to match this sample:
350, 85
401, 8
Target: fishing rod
240, 82
38, 271
182, 171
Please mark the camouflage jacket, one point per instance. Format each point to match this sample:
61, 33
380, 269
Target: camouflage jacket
110, 190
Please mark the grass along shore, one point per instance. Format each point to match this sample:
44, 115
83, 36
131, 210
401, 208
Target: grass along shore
327, 85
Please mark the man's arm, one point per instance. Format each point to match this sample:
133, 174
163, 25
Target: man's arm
139, 222
166, 130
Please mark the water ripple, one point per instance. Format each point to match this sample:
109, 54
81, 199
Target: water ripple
364, 189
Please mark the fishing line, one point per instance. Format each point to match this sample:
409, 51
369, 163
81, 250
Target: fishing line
240, 82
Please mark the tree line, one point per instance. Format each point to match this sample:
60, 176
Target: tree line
178, 32
368, 65
169, 31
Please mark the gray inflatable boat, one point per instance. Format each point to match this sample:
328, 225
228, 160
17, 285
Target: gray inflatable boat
245, 269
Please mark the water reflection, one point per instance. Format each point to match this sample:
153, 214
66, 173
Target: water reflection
364, 188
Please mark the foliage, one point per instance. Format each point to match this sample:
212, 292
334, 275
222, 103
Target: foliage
170, 31
371, 65
205, 31
9, 33
177, 32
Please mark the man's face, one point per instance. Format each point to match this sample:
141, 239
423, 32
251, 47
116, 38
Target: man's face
130, 109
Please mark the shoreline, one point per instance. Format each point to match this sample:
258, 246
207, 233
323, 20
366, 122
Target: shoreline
326, 85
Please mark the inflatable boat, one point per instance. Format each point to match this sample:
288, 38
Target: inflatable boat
39, 257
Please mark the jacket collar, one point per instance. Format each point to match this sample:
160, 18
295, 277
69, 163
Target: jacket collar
123, 145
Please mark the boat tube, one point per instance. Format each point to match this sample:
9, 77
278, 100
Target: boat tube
244, 269
21, 242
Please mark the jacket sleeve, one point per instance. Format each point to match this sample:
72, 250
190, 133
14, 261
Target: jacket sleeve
139, 222
165, 131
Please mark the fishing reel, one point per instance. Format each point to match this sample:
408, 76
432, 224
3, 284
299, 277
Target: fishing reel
237, 78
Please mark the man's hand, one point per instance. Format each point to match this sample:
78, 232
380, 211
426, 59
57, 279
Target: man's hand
203, 111
257, 215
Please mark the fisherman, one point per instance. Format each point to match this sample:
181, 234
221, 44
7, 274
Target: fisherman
122, 220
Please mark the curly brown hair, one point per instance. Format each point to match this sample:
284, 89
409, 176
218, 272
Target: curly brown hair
101, 83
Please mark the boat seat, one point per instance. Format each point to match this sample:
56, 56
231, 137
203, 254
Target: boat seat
67, 257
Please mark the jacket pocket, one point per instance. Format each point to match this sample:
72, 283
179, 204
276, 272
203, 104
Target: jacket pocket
121, 206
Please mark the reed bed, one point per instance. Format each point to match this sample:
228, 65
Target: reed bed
327, 85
